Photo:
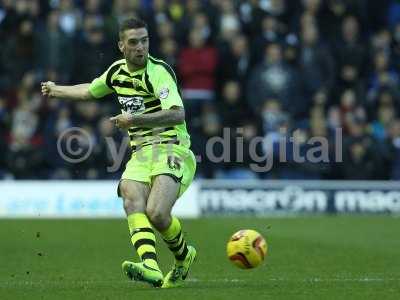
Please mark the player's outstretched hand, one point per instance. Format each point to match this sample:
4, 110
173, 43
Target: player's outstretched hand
47, 88
123, 121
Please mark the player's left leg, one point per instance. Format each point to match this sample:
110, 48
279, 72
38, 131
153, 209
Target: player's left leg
163, 195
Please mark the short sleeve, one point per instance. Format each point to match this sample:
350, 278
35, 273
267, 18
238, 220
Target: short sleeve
99, 88
166, 89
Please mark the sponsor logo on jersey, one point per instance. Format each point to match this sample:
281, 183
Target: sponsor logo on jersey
164, 92
132, 105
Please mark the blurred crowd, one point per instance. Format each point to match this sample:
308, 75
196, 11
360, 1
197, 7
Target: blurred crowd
268, 70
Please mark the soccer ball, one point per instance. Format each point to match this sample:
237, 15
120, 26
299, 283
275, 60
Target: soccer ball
246, 249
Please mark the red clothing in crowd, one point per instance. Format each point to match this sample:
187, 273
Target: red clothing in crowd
197, 68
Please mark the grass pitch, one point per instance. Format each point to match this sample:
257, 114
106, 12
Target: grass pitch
309, 258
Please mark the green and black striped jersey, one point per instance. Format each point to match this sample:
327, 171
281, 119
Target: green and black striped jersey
144, 91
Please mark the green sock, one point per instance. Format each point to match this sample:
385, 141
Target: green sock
143, 239
173, 236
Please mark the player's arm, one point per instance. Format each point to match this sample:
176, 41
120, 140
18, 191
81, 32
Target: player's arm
98, 88
74, 92
172, 112
163, 118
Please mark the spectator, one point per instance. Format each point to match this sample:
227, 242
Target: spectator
270, 33
273, 78
233, 108
169, 52
70, 17
121, 9
18, 54
94, 49
210, 156
379, 127
360, 153
348, 108
192, 7
235, 62
359, 162
394, 13
53, 51
351, 58
229, 24
93, 7
316, 64
245, 159
298, 162
4, 119
103, 155
165, 31
393, 144
383, 76
349, 48
25, 157
58, 123
197, 71
396, 46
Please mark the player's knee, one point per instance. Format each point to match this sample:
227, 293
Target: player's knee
129, 206
158, 217
154, 214
132, 202
134, 205
125, 191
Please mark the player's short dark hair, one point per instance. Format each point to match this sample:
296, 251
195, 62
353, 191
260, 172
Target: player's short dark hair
131, 23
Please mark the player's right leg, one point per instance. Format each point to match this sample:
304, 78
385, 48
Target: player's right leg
134, 194
172, 174
163, 195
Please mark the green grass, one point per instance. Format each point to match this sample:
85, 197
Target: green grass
309, 258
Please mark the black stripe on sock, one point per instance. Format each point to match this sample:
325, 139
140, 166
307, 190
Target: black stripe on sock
142, 242
176, 248
149, 255
145, 229
175, 239
183, 255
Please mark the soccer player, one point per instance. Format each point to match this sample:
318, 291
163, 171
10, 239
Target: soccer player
162, 165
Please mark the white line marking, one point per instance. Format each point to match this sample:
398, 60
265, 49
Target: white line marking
88, 283
362, 279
